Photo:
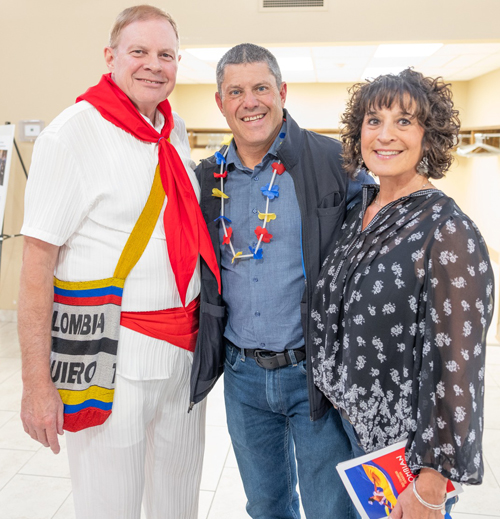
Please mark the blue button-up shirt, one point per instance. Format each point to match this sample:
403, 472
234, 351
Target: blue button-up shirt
263, 296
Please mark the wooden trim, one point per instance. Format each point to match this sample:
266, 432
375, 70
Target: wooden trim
481, 129
227, 130
194, 133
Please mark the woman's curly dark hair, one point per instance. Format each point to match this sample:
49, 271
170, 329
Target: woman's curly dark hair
429, 100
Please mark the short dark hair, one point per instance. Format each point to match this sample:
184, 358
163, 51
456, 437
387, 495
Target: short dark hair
428, 99
247, 53
139, 13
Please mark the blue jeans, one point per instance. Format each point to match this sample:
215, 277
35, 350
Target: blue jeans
358, 451
274, 439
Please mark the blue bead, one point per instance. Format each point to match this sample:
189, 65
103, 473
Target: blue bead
219, 157
270, 193
256, 255
221, 217
282, 135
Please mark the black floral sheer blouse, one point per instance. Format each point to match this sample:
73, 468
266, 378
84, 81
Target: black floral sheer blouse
399, 321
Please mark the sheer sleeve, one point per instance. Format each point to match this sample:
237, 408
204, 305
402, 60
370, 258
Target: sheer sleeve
456, 308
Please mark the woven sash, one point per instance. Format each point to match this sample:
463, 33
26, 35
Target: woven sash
86, 327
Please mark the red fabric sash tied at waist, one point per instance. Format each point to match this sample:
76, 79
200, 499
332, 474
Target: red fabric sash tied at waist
178, 326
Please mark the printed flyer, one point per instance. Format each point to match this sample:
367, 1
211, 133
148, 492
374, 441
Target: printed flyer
374, 481
6, 142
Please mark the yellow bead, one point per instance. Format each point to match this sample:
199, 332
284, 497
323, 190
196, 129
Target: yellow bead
218, 193
267, 216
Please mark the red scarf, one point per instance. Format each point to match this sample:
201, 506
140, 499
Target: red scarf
185, 229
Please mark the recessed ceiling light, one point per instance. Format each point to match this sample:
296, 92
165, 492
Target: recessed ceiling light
295, 64
406, 50
208, 53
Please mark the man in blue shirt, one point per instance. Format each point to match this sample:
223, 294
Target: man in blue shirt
274, 201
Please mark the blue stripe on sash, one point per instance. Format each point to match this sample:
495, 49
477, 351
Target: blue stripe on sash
71, 409
93, 292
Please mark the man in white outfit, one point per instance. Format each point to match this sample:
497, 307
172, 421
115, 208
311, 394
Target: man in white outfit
89, 181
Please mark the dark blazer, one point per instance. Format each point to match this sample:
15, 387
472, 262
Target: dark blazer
314, 163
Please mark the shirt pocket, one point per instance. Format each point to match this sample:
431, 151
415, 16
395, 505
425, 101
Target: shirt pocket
330, 201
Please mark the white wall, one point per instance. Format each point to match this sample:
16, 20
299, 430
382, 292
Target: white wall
53, 52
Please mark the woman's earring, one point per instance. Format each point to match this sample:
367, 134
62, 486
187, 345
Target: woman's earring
423, 167
359, 167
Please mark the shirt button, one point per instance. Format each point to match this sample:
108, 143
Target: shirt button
254, 211
257, 314
262, 344
255, 179
254, 244
255, 280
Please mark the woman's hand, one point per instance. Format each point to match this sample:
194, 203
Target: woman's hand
431, 487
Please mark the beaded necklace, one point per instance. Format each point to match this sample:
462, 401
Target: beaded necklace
270, 191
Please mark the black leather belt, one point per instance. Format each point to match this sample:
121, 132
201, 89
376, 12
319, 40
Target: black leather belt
272, 360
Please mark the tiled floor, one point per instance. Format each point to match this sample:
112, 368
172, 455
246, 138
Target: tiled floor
34, 484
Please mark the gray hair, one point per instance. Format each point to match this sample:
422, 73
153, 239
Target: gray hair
247, 53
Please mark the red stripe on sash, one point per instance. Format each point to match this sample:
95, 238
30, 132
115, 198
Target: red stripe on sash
85, 418
88, 301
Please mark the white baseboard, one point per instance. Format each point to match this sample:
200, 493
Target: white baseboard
9, 316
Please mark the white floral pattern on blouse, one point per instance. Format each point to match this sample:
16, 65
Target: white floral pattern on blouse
399, 321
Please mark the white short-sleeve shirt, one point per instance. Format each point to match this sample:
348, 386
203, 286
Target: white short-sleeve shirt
88, 183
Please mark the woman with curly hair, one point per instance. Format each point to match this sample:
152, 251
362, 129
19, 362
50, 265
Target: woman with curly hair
404, 301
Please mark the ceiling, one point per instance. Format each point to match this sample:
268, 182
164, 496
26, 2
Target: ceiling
352, 63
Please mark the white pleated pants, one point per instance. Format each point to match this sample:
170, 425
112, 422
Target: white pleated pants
150, 448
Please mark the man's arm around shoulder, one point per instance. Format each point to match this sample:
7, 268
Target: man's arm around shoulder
355, 188
41, 406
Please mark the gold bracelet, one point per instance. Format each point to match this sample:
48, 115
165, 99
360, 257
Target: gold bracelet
440, 507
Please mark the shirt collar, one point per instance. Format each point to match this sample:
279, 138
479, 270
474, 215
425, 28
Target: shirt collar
232, 155
160, 121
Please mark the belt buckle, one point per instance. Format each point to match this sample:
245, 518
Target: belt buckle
269, 360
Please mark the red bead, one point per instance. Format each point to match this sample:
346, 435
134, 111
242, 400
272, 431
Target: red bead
227, 238
280, 168
266, 236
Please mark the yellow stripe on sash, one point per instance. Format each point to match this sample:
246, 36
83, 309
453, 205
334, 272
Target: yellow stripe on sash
87, 285
92, 393
143, 229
